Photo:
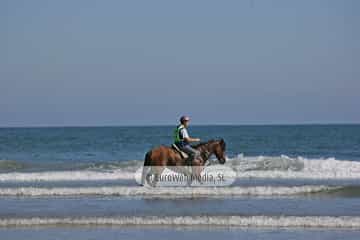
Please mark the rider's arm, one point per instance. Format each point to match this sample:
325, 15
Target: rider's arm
189, 139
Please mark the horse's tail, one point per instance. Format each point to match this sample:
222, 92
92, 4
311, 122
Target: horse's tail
147, 163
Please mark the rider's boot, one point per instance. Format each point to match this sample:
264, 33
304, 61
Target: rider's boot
189, 160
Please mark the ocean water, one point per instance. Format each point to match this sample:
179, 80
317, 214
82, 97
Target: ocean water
292, 182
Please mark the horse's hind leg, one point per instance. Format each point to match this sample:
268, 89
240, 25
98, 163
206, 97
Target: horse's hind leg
145, 176
151, 177
148, 177
156, 171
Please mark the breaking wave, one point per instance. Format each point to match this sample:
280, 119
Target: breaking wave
85, 175
228, 221
286, 167
244, 166
190, 192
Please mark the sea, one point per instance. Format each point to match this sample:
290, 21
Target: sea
292, 182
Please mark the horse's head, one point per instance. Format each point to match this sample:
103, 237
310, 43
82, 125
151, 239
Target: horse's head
219, 150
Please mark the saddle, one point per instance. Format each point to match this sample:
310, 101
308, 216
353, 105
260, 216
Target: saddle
177, 149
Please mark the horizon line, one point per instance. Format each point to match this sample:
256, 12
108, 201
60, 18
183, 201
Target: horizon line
168, 125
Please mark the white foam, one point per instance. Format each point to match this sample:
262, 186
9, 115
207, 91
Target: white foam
210, 176
238, 221
166, 191
85, 175
245, 167
294, 168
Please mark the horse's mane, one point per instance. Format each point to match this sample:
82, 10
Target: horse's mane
204, 143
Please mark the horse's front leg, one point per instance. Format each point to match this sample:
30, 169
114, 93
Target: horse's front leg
184, 170
196, 170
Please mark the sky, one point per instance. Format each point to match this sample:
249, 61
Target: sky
99, 63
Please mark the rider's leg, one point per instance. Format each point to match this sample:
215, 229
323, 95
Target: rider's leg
193, 153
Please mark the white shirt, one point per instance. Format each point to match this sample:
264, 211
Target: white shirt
184, 133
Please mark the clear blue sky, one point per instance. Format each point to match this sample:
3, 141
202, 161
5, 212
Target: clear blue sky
115, 62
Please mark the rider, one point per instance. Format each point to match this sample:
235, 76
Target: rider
183, 140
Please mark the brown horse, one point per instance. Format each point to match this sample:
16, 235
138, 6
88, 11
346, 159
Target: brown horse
157, 159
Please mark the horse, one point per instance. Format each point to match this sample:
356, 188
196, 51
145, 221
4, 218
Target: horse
159, 158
